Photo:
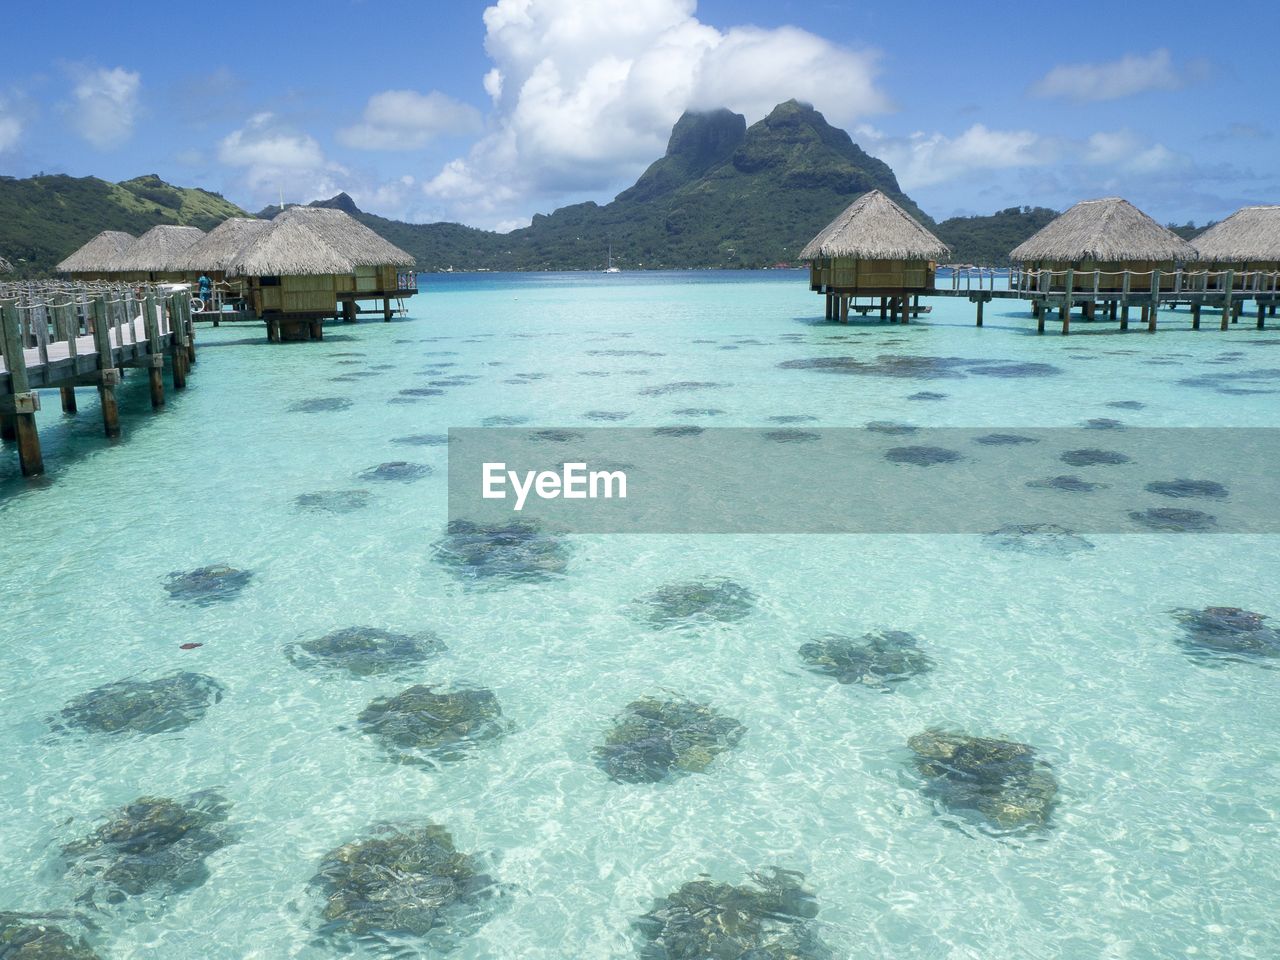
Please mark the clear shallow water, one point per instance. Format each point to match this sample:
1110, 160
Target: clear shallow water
1164, 840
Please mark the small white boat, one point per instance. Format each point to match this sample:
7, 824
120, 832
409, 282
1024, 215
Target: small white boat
610, 268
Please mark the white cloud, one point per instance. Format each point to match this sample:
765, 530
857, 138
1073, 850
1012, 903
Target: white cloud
104, 105
10, 127
408, 120
922, 160
275, 158
1125, 150
1131, 74
585, 95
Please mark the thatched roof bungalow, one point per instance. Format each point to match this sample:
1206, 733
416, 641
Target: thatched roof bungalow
1248, 240
214, 253
5, 266
90, 261
311, 259
156, 256
873, 248
1108, 237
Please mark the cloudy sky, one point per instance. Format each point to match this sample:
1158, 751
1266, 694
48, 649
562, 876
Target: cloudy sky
487, 114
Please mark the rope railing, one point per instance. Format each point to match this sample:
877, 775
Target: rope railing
43, 314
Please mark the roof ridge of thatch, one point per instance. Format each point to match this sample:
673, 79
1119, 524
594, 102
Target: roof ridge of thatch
1249, 234
289, 248
158, 250
874, 227
218, 248
93, 255
364, 246
1117, 232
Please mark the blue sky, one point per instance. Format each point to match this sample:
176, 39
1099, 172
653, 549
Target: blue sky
489, 113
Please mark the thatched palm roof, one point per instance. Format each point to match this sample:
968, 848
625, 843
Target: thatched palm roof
347, 234
94, 255
5, 266
158, 250
217, 249
289, 249
1109, 230
1251, 233
310, 241
873, 227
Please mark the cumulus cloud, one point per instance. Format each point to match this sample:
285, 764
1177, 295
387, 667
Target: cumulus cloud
274, 158
408, 120
925, 159
1125, 150
10, 127
1131, 74
104, 105
585, 95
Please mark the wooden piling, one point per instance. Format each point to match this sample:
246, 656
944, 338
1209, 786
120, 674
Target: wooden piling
844, 308
68, 399
23, 403
1262, 314
1195, 316
386, 309
1228, 282
980, 304
1155, 301
155, 358
108, 375
884, 308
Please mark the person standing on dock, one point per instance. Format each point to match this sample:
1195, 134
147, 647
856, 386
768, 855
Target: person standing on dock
206, 288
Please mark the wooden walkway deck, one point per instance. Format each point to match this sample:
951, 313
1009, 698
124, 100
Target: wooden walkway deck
1225, 292
67, 335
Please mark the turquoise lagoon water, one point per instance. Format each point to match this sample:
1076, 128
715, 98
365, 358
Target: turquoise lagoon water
1163, 843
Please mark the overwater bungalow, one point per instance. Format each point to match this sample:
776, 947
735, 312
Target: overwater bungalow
1105, 246
313, 262
156, 256
873, 249
90, 261
1247, 242
5, 266
214, 253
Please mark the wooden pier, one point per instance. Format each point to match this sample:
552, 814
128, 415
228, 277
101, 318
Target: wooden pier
1222, 295
65, 335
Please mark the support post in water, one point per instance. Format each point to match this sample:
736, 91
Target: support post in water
22, 403
1228, 281
155, 358
386, 309
108, 375
1066, 300
1155, 301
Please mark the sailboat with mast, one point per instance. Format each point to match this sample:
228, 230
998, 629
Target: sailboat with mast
610, 268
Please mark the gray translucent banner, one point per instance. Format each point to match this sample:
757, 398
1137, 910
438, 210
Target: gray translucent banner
881, 479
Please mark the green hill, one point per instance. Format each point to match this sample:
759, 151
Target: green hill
986, 241
723, 195
44, 218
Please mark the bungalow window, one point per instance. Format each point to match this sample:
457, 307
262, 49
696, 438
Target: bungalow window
269, 281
